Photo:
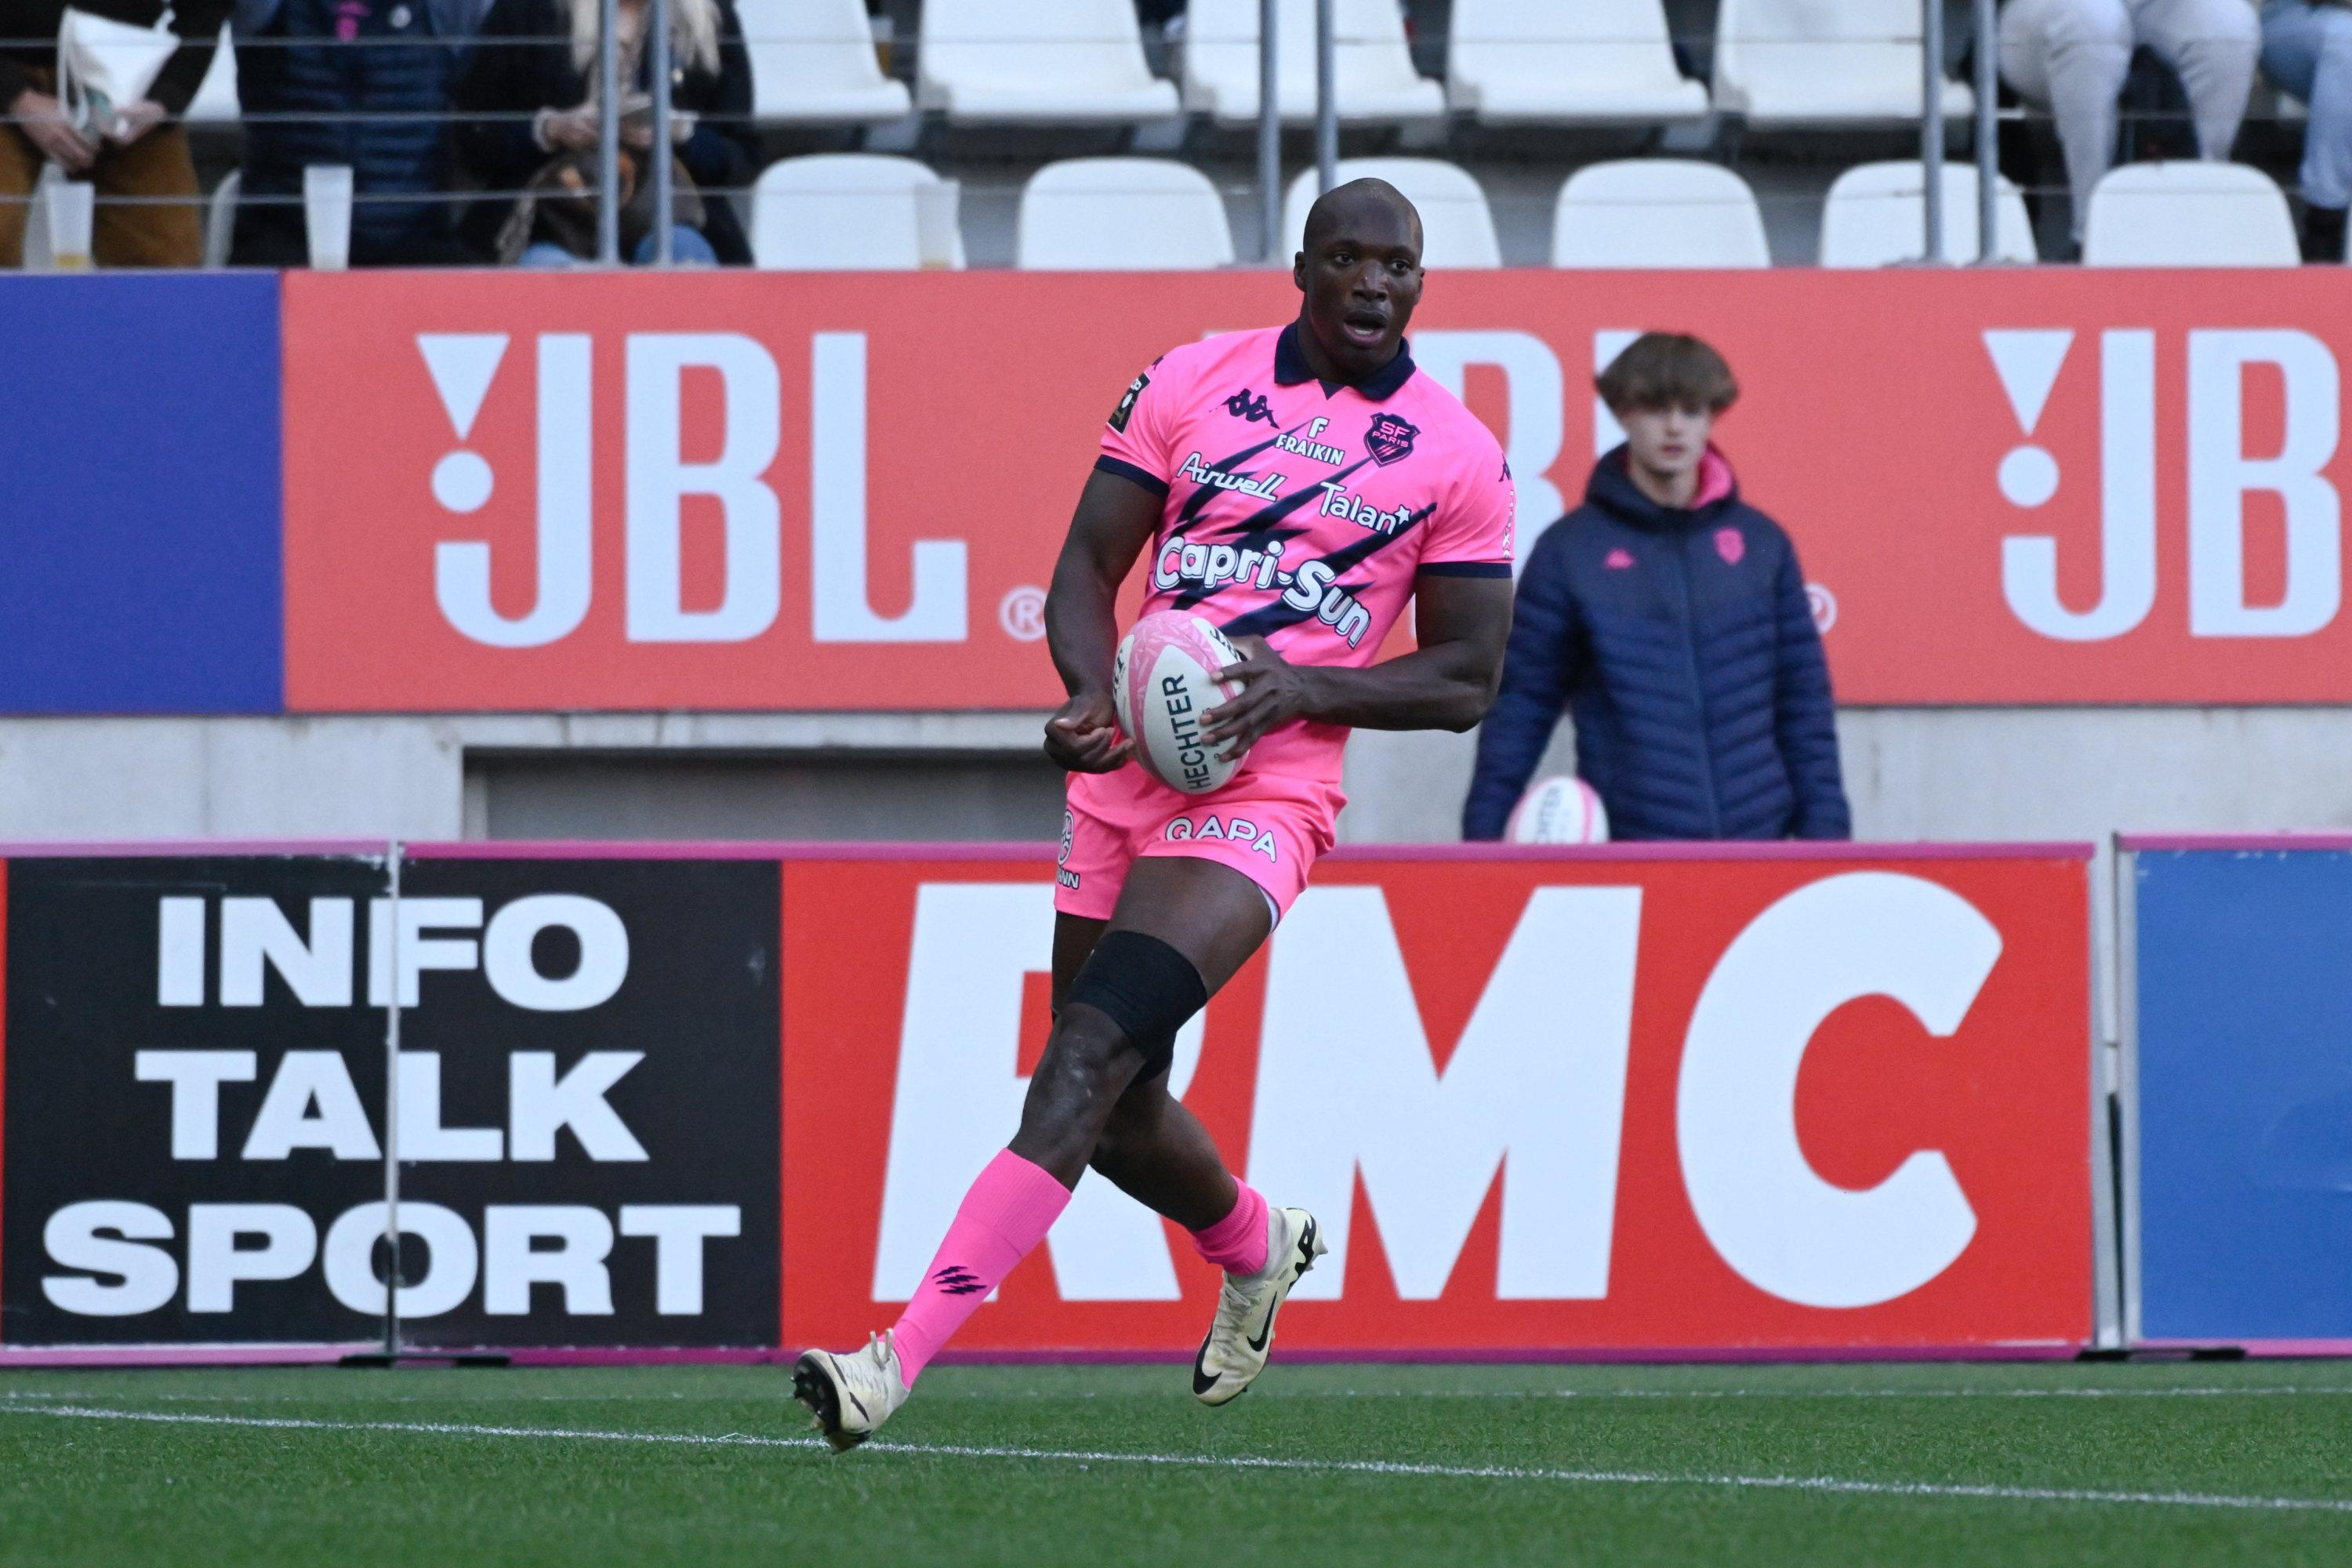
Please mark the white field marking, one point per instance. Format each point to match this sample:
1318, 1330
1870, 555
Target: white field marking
1829, 1484
631, 1397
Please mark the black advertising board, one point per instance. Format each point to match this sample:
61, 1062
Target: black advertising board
194, 1116
183, 1129
607, 1110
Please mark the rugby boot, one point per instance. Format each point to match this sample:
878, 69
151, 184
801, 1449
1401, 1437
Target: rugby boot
1234, 1351
850, 1396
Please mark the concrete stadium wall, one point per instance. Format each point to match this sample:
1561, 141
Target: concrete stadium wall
1913, 774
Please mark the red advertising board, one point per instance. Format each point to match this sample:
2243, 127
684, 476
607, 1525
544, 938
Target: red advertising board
770, 491
1773, 1103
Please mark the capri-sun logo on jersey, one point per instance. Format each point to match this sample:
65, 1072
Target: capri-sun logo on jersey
1310, 587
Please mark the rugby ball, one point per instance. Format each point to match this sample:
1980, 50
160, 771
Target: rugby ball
1165, 682
1558, 810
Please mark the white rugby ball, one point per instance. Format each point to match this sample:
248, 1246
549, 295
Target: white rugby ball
1558, 810
1165, 682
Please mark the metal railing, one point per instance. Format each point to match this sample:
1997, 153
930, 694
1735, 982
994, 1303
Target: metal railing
901, 58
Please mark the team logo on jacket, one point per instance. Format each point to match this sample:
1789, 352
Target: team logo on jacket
1390, 439
1731, 545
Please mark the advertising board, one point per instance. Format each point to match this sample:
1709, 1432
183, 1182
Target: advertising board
740, 492
1779, 1104
2238, 1091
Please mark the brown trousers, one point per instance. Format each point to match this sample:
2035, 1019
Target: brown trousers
122, 234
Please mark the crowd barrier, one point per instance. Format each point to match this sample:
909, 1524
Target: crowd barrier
383, 491
581, 1101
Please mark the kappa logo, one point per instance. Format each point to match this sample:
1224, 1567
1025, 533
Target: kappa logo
1239, 830
1390, 439
1062, 872
1249, 410
1126, 409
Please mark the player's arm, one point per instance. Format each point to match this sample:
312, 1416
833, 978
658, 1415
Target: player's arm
1446, 683
1114, 520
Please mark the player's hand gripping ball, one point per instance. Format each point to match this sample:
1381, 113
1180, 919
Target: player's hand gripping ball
1165, 682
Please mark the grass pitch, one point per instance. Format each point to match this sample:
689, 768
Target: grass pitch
1032, 1468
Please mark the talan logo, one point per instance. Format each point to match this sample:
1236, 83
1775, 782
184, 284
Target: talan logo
1390, 439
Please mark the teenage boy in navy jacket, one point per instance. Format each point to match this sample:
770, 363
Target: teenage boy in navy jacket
1670, 618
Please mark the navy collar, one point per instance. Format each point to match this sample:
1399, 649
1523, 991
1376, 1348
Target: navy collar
1290, 369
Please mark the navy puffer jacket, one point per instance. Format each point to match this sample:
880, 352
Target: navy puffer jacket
1682, 645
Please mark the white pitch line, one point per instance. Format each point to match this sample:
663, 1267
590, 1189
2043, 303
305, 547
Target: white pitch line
1829, 1484
638, 1397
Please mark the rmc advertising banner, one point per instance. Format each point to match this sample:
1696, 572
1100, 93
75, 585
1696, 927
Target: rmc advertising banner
771, 491
724, 1100
2238, 1091
1772, 1104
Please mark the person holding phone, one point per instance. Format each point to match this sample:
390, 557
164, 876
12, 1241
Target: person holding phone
531, 123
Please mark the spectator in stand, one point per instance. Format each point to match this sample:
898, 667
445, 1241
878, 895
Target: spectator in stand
2070, 58
361, 82
1671, 619
544, 84
144, 154
2307, 51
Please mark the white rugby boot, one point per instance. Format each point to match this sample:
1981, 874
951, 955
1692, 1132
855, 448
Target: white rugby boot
849, 1395
1234, 1351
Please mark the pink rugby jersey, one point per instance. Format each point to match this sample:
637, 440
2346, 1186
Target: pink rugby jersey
1300, 511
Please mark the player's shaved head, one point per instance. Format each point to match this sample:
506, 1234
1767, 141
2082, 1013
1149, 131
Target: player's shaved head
1359, 265
1368, 204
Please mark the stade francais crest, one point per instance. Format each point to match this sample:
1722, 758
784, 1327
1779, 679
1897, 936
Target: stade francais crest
1390, 439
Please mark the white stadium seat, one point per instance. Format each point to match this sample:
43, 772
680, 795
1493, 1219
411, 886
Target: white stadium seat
1037, 62
1121, 215
1658, 212
1546, 61
1823, 62
220, 218
1457, 228
215, 100
2187, 215
812, 63
1876, 215
1376, 81
847, 212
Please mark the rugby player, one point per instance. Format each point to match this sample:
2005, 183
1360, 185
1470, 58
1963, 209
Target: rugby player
1297, 486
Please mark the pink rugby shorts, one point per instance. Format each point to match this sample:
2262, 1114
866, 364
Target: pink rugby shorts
1270, 828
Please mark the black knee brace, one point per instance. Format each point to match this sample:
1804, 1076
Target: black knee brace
1146, 987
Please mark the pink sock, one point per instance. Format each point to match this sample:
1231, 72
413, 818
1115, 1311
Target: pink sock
1004, 1216
1236, 1243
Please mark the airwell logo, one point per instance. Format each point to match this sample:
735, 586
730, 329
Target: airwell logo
2220, 474
466, 370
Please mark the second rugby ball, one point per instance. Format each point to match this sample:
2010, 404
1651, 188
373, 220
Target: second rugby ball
1558, 810
1165, 682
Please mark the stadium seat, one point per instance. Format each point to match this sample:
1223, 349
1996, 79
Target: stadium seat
1457, 228
1876, 216
1658, 212
1121, 215
215, 100
848, 212
220, 218
1037, 62
2187, 215
812, 63
1521, 61
1823, 62
1375, 78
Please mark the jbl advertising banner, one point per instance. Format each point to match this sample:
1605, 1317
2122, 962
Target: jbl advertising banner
1541, 1107
2238, 1184
584, 1100
746, 490
721, 1101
